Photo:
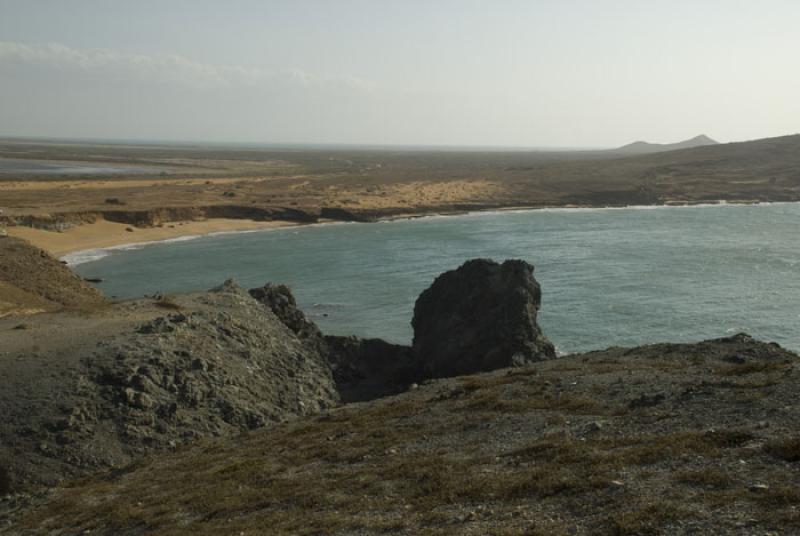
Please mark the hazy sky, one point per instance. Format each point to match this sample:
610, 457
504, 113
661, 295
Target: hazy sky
564, 73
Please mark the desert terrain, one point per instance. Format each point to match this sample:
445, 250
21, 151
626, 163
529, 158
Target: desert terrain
228, 188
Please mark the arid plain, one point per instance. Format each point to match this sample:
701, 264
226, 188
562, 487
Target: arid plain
177, 190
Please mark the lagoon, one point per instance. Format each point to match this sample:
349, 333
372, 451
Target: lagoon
37, 167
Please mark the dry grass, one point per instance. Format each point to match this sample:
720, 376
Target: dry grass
646, 519
787, 449
752, 368
635, 450
709, 477
502, 453
521, 402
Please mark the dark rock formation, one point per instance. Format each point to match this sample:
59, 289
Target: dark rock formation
228, 360
480, 317
341, 214
365, 369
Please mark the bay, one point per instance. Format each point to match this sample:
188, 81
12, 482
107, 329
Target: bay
610, 277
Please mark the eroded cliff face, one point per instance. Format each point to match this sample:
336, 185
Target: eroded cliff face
61, 221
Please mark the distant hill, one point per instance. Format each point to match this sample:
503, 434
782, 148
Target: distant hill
643, 147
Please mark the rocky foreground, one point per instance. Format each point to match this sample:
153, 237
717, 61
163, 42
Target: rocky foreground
86, 392
228, 412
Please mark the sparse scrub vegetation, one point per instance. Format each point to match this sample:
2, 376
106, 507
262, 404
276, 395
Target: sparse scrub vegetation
525, 451
5, 481
645, 520
787, 448
708, 478
752, 368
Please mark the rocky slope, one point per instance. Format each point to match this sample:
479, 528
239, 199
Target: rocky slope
664, 439
152, 374
33, 281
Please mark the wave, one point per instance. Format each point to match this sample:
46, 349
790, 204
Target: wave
89, 255
524, 210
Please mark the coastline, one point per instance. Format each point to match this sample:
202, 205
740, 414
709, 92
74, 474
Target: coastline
108, 235
84, 243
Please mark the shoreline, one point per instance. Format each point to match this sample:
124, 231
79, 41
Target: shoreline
105, 235
91, 241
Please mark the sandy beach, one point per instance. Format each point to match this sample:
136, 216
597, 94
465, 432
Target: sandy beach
104, 234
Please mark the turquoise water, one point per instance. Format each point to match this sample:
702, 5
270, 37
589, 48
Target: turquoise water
609, 276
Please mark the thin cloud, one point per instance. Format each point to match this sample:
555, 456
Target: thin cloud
165, 68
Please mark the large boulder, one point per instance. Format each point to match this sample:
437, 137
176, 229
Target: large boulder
480, 317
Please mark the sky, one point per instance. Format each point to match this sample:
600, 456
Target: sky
528, 73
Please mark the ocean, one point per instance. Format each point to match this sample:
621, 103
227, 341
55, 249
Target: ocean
609, 277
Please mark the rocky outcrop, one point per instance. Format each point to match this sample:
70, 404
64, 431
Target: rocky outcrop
365, 369
199, 366
341, 214
480, 317
362, 369
279, 300
155, 374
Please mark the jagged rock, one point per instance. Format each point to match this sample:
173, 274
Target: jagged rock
365, 369
223, 365
281, 302
480, 317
